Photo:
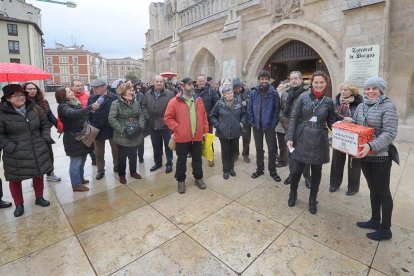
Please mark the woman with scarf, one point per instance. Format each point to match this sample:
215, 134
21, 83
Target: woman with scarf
36, 94
378, 112
307, 136
228, 118
128, 120
345, 104
73, 116
25, 140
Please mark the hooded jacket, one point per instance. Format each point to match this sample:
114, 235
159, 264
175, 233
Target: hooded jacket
25, 142
177, 118
382, 116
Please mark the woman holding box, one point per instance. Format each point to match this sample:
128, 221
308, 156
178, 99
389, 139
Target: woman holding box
378, 112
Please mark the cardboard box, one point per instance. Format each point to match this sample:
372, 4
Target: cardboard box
347, 137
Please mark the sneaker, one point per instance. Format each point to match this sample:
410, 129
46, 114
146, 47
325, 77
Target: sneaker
275, 176
211, 163
371, 224
380, 234
200, 184
80, 188
181, 187
53, 178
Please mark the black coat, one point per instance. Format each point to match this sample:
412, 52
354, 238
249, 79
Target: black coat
154, 108
228, 121
209, 97
25, 142
310, 140
99, 118
73, 118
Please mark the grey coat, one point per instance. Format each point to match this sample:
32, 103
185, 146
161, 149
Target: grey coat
310, 140
120, 114
383, 117
155, 107
25, 142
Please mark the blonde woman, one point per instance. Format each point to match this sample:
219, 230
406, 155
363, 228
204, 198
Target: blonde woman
345, 103
127, 119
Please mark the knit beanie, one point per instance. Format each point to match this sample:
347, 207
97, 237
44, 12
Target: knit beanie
236, 83
376, 82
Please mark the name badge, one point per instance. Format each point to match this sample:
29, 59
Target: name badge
314, 119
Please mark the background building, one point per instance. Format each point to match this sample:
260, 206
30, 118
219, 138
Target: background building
349, 39
21, 34
119, 68
73, 63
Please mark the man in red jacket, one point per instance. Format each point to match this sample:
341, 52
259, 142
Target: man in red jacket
186, 117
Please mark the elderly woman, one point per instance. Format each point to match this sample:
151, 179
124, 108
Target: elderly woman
73, 116
307, 136
25, 140
345, 104
378, 112
35, 93
127, 119
228, 117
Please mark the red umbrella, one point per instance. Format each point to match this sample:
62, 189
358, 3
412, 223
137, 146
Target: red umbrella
168, 74
10, 72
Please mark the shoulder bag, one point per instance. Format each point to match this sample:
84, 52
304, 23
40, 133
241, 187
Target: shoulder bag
88, 134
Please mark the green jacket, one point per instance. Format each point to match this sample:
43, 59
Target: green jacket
119, 115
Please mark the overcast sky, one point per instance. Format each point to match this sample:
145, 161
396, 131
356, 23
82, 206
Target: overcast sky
116, 29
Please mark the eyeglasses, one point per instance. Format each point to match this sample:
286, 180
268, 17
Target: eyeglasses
18, 95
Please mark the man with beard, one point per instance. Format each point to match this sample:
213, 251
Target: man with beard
296, 88
263, 115
186, 117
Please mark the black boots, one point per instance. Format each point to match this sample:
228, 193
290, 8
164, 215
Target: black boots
312, 205
42, 202
292, 198
19, 210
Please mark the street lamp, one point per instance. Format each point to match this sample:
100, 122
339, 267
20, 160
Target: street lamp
68, 4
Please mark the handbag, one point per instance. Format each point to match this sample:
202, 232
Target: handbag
393, 153
132, 127
88, 134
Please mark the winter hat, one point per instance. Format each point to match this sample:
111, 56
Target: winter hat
376, 82
236, 83
10, 89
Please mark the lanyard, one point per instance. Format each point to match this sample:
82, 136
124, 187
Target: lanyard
364, 116
316, 106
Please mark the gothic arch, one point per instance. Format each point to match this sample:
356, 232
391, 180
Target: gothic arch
301, 30
204, 62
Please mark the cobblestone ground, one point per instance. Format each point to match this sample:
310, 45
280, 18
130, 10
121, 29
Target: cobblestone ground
241, 225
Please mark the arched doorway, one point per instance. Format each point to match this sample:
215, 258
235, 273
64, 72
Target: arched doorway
295, 56
204, 63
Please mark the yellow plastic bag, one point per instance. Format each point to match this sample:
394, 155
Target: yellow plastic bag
208, 147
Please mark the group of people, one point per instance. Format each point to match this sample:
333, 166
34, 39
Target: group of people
293, 120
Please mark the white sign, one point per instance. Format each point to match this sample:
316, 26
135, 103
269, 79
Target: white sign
361, 63
345, 141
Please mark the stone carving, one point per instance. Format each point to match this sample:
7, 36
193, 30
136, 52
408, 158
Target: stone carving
287, 9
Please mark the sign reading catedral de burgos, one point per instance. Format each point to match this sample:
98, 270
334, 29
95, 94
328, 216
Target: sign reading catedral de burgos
361, 63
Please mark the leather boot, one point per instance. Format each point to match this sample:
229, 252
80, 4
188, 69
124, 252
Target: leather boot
42, 202
19, 210
312, 205
292, 199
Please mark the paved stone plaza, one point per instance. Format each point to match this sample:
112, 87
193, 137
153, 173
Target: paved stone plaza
241, 225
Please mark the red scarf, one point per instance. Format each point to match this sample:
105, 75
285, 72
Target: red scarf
318, 95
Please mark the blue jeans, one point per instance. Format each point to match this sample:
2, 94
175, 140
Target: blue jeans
77, 164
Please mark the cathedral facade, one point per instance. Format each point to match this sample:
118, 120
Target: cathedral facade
349, 39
